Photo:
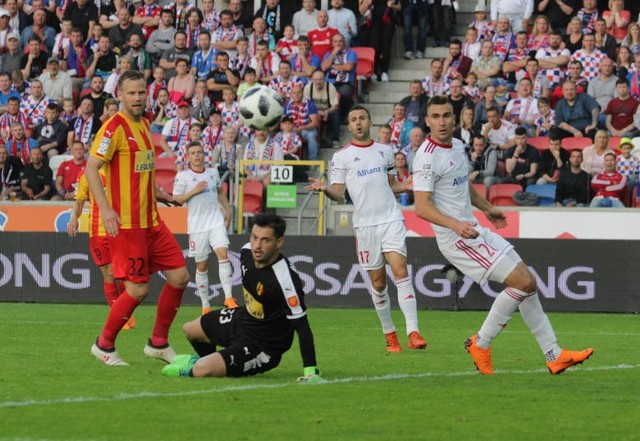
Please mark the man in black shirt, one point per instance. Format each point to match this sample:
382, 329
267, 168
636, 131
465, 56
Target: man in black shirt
98, 96
559, 12
51, 134
256, 335
35, 62
221, 77
10, 167
36, 177
103, 61
119, 34
83, 14
276, 15
574, 184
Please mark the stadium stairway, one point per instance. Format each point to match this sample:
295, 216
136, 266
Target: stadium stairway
379, 97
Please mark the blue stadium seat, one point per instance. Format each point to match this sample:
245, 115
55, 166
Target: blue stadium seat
546, 194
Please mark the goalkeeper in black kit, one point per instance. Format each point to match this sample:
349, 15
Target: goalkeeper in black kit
256, 335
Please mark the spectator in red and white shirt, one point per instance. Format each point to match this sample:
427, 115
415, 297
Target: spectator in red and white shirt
148, 16
13, 115
321, 37
609, 186
285, 82
34, 105
69, 173
589, 56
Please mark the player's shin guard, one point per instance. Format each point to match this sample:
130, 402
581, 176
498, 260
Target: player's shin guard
407, 301
499, 315
202, 281
111, 292
119, 313
226, 277
539, 325
382, 303
168, 305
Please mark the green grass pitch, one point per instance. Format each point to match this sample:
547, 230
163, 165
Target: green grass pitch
51, 388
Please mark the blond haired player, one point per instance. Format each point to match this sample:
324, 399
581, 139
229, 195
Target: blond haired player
444, 197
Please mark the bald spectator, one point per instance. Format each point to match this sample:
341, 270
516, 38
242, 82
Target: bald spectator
321, 37
40, 28
576, 114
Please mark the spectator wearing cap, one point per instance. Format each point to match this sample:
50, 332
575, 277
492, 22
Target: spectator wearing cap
484, 27
34, 62
12, 56
627, 164
55, 83
518, 11
176, 130
5, 29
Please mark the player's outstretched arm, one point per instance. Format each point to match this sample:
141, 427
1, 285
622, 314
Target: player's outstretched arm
335, 192
495, 215
311, 373
429, 212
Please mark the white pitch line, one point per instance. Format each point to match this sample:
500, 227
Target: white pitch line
364, 379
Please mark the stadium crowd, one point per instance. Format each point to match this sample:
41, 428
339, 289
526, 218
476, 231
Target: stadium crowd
544, 92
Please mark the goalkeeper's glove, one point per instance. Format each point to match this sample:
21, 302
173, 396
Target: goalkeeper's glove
311, 374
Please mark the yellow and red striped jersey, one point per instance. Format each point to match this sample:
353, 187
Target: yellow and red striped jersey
96, 227
126, 148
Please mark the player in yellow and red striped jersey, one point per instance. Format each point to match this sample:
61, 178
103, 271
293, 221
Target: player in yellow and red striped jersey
98, 241
140, 242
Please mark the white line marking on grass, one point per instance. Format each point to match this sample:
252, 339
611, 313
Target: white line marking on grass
364, 379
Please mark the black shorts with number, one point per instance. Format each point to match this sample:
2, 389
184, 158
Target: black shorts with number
242, 355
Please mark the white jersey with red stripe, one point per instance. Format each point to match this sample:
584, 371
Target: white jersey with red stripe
365, 170
443, 171
203, 209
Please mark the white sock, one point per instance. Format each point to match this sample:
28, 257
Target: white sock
202, 281
499, 315
382, 303
539, 325
407, 301
226, 276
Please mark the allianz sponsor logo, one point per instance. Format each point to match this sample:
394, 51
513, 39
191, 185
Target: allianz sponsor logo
369, 171
460, 180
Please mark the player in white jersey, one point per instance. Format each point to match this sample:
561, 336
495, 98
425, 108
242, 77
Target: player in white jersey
201, 189
444, 196
366, 169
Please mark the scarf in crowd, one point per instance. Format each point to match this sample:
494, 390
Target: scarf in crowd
22, 150
180, 134
254, 39
267, 153
396, 130
240, 63
74, 63
211, 20
192, 36
227, 157
299, 112
340, 76
83, 129
153, 90
276, 26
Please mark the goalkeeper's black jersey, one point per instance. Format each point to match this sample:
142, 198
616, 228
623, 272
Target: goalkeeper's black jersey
273, 297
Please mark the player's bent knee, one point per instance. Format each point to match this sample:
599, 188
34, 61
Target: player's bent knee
521, 278
210, 366
178, 278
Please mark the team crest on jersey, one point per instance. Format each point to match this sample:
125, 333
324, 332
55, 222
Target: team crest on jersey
293, 301
103, 148
259, 289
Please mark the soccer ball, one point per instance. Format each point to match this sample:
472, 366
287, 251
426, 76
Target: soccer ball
261, 108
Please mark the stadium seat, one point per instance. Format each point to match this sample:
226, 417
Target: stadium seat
571, 143
165, 178
252, 199
85, 92
55, 162
364, 68
481, 188
166, 164
155, 138
539, 142
546, 194
614, 142
501, 195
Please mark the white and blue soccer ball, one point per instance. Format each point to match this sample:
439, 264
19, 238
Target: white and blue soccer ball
261, 108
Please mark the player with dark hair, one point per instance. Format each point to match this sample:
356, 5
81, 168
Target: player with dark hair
367, 170
256, 335
140, 242
444, 197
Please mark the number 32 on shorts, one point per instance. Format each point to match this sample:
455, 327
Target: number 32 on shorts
135, 266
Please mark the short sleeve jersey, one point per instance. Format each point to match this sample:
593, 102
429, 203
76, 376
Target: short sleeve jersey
273, 295
365, 170
126, 148
204, 212
96, 227
442, 170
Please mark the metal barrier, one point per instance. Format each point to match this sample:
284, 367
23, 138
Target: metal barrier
240, 178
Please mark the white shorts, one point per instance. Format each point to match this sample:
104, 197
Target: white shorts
201, 244
487, 257
373, 241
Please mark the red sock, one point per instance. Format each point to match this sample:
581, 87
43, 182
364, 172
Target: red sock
120, 312
168, 305
111, 292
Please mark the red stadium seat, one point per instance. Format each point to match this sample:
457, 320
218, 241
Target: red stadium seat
614, 142
364, 67
252, 198
166, 164
539, 142
165, 178
155, 138
571, 143
501, 195
481, 188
